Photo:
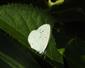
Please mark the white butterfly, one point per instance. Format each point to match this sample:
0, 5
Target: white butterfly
38, 39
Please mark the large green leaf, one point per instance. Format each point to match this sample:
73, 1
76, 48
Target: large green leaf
20, 20
11, 62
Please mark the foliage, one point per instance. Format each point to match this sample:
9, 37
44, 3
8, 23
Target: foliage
18, 21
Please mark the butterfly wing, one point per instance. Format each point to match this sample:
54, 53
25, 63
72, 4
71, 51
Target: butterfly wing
38, 39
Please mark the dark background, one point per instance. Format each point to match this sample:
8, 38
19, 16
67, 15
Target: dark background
70, 19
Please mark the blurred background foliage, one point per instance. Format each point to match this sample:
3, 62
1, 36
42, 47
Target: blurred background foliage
68, 31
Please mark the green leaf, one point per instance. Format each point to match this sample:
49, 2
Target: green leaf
12, 48
57, 2
74, 54
61, 51
11, 62
20, 20
52, 51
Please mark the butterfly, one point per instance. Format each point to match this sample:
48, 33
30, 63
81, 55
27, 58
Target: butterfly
39, 38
